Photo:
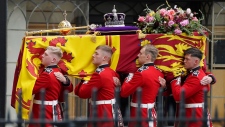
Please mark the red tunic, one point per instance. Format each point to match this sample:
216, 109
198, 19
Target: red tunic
53, 90
102, 80
168, 92
193, 94
147, 78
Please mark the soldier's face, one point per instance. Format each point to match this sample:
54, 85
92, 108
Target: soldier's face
142, 57
98, 57
190, 62
47, 58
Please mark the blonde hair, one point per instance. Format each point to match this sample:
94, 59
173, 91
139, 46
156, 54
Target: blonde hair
106, 49
56, 51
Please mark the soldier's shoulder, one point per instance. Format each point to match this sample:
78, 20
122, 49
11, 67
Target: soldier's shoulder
99, 70
129, 77
196, 73
142, 68
48, 70
157, 68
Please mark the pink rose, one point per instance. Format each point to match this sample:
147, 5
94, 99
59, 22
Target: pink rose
149, 19
170, 23
177, 31
171, 12
194, 19
162, 12
184, 22
171, 17
141, 19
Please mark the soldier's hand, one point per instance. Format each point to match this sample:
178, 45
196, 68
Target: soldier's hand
206, 80
162, 82
60, 77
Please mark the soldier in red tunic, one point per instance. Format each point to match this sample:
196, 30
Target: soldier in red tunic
53, 88
102, 80
168, 98
147, 78
192, 86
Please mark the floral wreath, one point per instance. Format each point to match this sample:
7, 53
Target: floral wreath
171, 21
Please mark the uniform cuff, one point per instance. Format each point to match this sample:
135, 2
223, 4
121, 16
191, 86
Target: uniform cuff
67, 81
213, 79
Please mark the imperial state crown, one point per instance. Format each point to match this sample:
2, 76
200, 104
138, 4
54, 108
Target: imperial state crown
114, 19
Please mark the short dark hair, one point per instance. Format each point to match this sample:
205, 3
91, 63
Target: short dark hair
194, 52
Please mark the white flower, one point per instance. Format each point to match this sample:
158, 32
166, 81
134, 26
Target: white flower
175, 6
180, 11
188, 11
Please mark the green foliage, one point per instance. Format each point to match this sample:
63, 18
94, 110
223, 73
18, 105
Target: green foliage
171, 21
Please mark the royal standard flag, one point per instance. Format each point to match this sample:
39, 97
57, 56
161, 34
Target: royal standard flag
171, 50
77, 57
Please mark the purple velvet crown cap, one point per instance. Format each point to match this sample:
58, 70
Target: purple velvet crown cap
125, 28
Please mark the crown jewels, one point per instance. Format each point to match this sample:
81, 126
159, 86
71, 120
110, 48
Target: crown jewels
114, 19
64, 24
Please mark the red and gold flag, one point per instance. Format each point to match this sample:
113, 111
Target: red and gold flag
76, 61
77, 57
171, 50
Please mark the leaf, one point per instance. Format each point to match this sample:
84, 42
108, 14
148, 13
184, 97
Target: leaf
187, 31
157, 16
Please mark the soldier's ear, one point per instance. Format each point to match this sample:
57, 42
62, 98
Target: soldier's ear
197, 61
148, 56
104, 57
53, 60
